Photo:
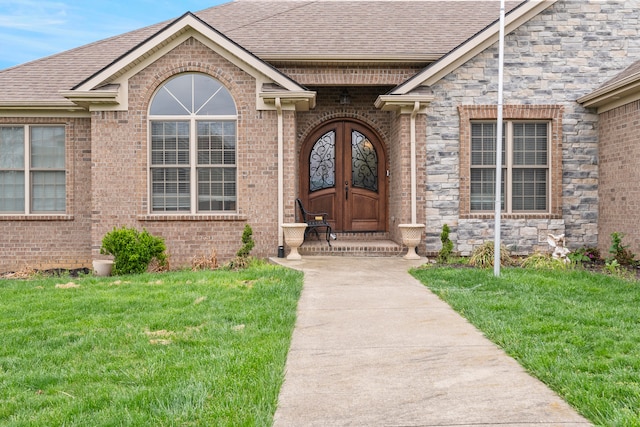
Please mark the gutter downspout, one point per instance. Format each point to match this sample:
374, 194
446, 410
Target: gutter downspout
414, 113
280, 173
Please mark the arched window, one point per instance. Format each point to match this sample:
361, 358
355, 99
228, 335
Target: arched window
192, 131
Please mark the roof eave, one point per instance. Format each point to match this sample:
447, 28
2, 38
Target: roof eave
93, 98
402, 103
614, 95
350, 59
299, 100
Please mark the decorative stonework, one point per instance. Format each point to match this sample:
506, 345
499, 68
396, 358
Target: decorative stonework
566, 52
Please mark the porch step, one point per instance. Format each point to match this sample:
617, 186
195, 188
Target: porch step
353, 244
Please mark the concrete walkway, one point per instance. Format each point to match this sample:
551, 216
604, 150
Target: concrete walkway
373, 347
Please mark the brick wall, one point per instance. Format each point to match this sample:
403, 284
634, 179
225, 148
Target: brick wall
566, 52
51, 241
120, 168
619, 186
331, 75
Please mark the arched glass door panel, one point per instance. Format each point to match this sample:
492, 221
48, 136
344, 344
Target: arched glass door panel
364, 162
322, 162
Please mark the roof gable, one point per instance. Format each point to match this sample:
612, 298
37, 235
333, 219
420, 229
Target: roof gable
93, 90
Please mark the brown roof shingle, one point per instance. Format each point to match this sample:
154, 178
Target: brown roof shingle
276, 30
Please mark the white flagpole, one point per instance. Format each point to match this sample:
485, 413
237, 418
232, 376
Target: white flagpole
498, 207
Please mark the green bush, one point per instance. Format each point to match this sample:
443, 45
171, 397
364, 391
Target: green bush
132, 250
447, 246
247, 241
242, 259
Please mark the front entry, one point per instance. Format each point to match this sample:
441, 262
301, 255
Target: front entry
343, 172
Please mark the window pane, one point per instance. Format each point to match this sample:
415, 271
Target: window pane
483, 144
212, 98
170, 189
169, 143
12, 147
193, 94
216, 143
322, 169
530, 141
12, 191
48, 192
47, 147
483, 189
529, 189
216, 189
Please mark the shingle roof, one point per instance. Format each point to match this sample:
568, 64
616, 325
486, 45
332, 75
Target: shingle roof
280, 30
632, 70
621, 89
330, 28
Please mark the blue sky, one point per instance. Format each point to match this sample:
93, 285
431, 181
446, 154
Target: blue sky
32, 29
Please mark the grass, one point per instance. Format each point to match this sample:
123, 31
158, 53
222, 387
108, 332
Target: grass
182, 348
579, 332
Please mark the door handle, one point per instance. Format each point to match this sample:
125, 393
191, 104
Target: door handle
346, 190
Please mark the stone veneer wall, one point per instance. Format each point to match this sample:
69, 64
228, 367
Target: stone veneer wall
566, 52
619, 187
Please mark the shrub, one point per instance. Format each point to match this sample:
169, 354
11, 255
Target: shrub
247, 241
482, 256
539, 261
132, 250
584, 255
242, 259
620, 252
447, 245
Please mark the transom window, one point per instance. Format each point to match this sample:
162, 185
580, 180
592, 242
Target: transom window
193, 146
32, 170
525, 167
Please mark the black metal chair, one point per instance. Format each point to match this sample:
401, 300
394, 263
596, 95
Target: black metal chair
314, 222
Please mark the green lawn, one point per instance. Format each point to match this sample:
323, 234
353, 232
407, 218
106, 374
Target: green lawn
578, 332
172, 349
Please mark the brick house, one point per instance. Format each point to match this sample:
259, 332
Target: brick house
379, 112
618, 106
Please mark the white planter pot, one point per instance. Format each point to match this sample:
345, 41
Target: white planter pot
411, 236
294, 237
102, 267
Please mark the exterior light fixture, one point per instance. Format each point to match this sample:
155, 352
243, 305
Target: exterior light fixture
345, 98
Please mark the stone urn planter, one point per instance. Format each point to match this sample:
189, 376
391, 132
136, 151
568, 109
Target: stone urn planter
411, 236
102, 267
293, 237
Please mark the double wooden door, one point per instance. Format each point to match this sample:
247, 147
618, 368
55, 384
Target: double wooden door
343, 173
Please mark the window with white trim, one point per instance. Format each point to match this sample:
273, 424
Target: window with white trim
525, 167
32, 170
192, 156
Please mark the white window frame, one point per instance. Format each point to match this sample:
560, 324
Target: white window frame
192, 118
27, 169
508, 167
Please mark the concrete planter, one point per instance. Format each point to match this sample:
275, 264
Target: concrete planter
102, 267
294, 237
411, 236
